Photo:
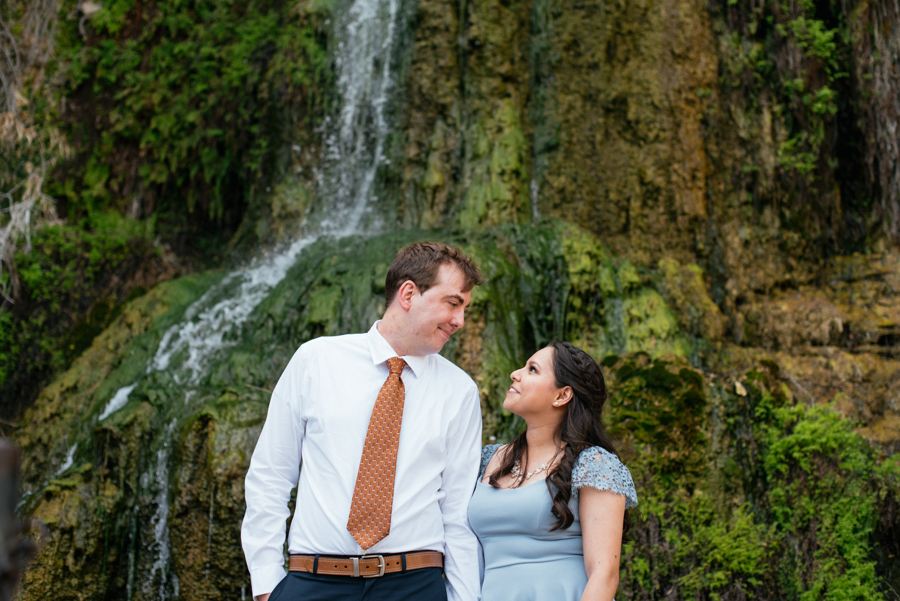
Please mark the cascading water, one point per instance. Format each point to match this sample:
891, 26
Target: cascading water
356, 145
160, 520
366, 34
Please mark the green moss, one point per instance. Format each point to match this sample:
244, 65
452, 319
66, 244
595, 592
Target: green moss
323, 304
732, 554
821, 471
589, 272
686, 293
627, 278
640, 321
651, 325
65, 483
659, 407
276, 217
608, 287
496, 193
740, 494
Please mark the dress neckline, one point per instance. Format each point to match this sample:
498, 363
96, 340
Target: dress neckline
516, 488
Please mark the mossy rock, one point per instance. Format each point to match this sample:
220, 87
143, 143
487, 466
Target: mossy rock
148, 500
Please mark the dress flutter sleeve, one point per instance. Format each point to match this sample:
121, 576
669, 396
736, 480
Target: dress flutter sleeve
598, 468
486, 453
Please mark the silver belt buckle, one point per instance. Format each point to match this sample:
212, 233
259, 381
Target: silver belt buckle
380, 565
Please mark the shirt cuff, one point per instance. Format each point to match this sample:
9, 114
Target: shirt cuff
264, 579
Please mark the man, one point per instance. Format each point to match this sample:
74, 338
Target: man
389, 434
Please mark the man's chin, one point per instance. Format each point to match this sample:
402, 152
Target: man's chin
439, 344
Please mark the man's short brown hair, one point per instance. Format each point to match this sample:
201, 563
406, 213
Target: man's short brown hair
420, 263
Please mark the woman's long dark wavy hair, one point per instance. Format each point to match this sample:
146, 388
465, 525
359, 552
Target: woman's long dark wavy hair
580, 429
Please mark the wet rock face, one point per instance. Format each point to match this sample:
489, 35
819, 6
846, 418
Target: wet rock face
621, 126
679, 263
661, 126
833, 341
466, 145
513, 111
877, 50
144, 498
146, 503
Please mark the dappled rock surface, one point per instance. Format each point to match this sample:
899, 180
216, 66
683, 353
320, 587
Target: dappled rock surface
673, 185
784, 322
146, 503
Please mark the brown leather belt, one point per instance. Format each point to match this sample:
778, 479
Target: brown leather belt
367, 566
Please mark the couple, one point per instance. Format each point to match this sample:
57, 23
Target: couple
389, 436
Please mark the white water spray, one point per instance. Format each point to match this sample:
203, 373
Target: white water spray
116, 402
205, 331
160, 519
68, 461
368, 40
355, 148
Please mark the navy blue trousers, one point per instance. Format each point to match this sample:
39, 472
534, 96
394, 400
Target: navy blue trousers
425, 584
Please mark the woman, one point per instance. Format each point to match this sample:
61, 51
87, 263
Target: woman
561, 540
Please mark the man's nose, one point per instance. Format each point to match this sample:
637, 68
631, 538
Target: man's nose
459, 319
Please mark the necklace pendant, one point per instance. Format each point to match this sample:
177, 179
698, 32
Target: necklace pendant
516, 470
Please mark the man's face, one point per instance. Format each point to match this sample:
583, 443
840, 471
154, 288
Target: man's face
436, 314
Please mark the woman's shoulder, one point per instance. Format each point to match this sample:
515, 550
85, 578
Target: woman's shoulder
602, 470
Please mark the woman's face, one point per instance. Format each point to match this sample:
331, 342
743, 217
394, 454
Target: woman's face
533, 390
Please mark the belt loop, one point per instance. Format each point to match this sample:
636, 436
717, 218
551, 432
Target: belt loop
315, 563
403, 560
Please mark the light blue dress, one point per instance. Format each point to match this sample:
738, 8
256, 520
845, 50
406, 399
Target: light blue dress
523, 559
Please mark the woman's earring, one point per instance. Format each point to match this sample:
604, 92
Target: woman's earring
556, 404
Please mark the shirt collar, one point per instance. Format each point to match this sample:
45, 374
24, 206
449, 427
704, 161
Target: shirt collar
381, 351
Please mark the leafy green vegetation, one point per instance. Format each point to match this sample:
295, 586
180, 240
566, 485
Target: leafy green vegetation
183, 109
177, 114
783, 501
71, 286
791, 57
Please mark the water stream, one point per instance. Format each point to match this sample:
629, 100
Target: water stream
366, 35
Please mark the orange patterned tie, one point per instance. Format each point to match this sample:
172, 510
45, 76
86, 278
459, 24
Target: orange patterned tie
373, 497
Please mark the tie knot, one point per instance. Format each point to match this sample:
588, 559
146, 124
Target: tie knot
396, 365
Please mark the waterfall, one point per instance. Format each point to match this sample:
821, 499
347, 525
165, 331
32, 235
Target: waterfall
367, 42
160, 520
367, 35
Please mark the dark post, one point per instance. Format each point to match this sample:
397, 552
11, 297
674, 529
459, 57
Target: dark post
15, 550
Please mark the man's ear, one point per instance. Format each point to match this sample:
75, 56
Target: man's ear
563, 396
405, 294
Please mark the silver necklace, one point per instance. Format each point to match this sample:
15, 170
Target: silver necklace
516, 470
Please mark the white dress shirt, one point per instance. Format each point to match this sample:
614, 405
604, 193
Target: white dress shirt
319, 412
